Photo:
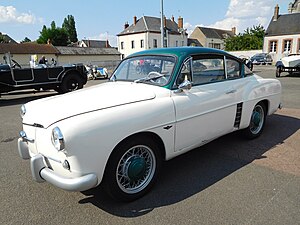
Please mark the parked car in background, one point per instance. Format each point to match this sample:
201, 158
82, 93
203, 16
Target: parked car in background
189, 98
290, 64
247, 61
94, 72
42, 76
261, 59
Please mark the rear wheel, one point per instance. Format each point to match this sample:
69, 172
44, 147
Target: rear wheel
70, 83
132, 169
257, 122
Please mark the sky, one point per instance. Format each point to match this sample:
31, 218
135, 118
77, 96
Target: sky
101, 20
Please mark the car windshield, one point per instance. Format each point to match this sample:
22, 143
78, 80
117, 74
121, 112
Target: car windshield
155, 70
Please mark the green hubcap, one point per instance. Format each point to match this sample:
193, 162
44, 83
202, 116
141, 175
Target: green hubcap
256, 118
137, 168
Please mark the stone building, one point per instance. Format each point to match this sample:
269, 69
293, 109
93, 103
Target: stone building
283, 33
212, 37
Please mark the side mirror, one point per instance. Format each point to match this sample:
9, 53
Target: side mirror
184, 86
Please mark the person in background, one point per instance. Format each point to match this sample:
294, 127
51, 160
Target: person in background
43, 60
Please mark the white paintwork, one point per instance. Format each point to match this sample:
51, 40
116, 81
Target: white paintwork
92, 127
291, 61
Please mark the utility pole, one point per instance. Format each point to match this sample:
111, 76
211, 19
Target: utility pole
162, 23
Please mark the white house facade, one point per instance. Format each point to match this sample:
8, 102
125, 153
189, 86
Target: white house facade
145, 33
283, 33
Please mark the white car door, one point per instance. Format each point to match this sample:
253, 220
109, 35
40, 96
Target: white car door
208, 110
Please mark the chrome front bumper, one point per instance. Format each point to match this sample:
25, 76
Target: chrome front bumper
40, 172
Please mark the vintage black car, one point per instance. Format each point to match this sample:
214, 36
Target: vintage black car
60, 78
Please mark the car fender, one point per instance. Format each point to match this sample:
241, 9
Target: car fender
91, 137
266, 90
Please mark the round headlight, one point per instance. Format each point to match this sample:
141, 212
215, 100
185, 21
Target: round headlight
23, 111
57, 139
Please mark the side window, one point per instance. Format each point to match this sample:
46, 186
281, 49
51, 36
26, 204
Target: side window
185, 73
233, 68
247, 71
208, 69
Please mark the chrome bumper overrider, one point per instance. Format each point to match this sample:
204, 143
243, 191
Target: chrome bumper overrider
41, 173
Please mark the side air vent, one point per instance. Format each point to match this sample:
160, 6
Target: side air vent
238, 115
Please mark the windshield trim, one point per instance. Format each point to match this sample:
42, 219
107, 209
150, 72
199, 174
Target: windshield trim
113, 77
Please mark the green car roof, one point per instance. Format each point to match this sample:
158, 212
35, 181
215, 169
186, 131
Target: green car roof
180, 51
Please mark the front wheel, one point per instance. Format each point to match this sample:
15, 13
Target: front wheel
132, 169
257, 122
71, 82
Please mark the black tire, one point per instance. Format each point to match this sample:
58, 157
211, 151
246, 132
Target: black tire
71, 82
132, 169
257, 122
278, 71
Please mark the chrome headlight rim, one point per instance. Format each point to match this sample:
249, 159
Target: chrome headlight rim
22, 111
57, 139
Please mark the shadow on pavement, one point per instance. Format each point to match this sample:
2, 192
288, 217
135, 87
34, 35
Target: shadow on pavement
197, 170
17, 98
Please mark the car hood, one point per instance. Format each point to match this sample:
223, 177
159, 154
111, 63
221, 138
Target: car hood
45, 112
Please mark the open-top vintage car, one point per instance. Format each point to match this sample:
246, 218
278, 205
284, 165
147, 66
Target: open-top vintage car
60, 78
290, 64
184, 98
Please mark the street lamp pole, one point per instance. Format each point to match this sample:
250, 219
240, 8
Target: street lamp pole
162, 23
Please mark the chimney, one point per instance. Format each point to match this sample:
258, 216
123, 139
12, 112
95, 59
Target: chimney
165, 21
173, 19
49, 42
134, 20
180, 22
276, 13
233, 29
126, 25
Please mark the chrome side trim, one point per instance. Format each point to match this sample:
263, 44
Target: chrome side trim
24, 85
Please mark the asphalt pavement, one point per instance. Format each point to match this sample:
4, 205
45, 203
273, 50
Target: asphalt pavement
228, 181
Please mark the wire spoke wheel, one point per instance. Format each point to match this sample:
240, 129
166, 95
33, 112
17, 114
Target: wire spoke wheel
135, 169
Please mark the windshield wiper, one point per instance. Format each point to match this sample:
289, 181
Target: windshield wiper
148, 78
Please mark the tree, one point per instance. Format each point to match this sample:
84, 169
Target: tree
26, 39
3, 38
251, 39
69, 26
56, 35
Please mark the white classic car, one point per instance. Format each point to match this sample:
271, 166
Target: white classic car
159, 104
290, 64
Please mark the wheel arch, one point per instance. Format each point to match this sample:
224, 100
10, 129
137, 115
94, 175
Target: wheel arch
266, 104
247, 111
144, 134
69, 72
